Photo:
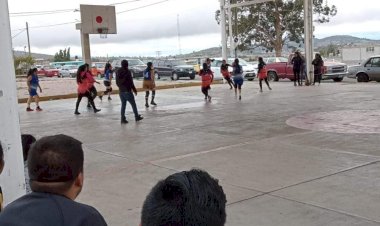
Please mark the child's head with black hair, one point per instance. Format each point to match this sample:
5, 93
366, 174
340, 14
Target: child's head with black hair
185, 199
1, 158
27, 140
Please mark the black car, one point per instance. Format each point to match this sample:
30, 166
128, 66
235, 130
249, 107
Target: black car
174, 69
136, 67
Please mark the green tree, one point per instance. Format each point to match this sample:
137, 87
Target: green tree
62, 55
270, 24
23, 63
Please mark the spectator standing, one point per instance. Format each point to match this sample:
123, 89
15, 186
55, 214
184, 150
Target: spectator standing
297, 64
27, 140
189, 198
126, 90
262, 74
84, 84
149, 84
226, 74
33, 83
56, 177
318, 65
238, 77
207, 78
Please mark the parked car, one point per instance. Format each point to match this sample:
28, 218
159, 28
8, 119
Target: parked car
63, 73
175, 69
136, 67
367, 71
97, 68
72, 69
47, 71
281, 70
249, 70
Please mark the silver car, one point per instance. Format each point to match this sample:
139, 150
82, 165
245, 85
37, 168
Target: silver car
368, 70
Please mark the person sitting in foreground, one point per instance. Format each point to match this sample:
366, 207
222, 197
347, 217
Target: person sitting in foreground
1, 170
55, 165
26, 140
189, 198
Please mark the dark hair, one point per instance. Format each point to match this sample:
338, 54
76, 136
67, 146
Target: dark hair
54, 162
261, 59
32, 71
124, 63
1, 153
107, 66
26, 140
149, 65
205, 68
236, 61
185, 199
81, 69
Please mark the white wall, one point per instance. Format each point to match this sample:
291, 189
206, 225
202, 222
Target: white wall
12, 179
358, 54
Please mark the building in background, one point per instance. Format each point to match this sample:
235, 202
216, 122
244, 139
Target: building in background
356, 54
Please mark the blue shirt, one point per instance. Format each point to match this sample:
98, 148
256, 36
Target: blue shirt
107, 75
45, 209
34, 82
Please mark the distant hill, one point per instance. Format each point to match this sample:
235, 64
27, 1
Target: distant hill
34, 55
343, 40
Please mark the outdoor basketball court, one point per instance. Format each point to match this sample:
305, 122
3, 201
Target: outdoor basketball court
292, 156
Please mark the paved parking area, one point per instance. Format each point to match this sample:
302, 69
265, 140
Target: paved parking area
293, 156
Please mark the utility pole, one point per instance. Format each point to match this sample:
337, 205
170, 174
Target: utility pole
223, 29
308, 22
27, 33
179, 36
12, 178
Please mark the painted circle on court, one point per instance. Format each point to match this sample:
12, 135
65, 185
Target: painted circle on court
347, 121
99, 19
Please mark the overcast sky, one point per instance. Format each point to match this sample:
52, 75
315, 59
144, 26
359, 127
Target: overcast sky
151, 29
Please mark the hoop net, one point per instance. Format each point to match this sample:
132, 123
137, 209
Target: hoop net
103, 32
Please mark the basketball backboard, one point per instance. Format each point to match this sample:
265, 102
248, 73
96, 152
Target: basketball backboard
96, 19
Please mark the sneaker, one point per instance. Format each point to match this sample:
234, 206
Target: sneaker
123, 121
139, 118
38, 108
109, 98
29, 109
96, 110
261, 90
209, 98
239, 97
270, 88
76, 113
146, 105
101, 98
153, 103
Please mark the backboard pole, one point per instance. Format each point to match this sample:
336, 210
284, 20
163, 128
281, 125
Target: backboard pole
223, 29
86, 51
308, 22
12, 179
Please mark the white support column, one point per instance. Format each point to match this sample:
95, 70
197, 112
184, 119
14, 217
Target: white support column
86, 51
232, 43
223, 29
308, 7
12, 179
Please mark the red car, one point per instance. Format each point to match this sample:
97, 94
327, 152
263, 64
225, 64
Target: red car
331, 70
48, 72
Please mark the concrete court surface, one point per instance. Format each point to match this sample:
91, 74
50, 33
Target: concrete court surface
294, 156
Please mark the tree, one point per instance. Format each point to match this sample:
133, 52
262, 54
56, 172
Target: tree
62, 55
23, 63
270, 24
